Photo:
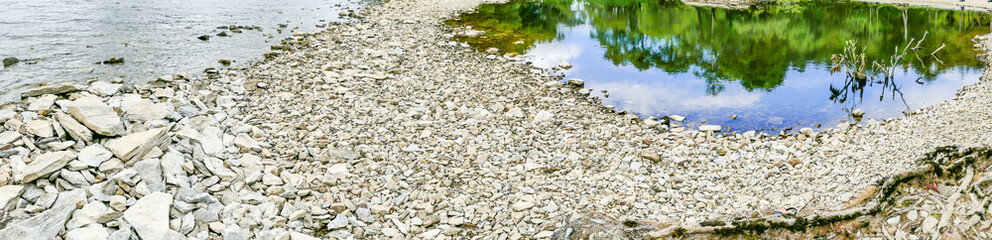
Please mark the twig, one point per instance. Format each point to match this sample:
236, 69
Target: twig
938, 49
921, 40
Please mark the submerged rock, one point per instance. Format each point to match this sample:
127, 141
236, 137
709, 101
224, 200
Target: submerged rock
10, 61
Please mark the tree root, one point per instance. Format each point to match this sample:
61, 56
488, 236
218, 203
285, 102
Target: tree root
942, 162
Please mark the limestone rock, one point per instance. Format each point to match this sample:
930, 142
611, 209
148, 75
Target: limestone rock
87, 233
102, 88
137, 144
9, 193
96, 115
75, 129
150, 171
46, 225
43, 102
710, 128
44, 164
149, 216
40, 128
576, 82
246, 142
9, 137
142, 109
56, 89
94, 155
543, 116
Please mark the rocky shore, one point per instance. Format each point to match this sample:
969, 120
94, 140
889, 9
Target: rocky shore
386, 128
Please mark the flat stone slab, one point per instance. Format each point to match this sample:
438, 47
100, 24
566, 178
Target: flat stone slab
46, 225
55, 89
97, 116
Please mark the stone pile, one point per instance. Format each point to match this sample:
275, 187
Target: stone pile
172, 159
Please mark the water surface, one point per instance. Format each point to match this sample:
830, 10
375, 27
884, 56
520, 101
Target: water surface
768, 67
60, 40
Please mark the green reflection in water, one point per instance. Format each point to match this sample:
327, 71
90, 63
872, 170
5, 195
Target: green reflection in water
754, 47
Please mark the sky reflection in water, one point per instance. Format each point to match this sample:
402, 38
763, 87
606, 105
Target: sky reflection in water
769, 67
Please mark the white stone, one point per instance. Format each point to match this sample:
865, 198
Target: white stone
565, 65
710, 128
543, 116
46, 225
103, 88
246, 142
96, 115
150, 171
9, 193
137, 144
172, 168
40, 128
43, 165
87, 233
87, 215
94, 155
75, 129
141, 109
9, 137
57, 88
216, 166
522, 205
43, 102
149, 216
339, 222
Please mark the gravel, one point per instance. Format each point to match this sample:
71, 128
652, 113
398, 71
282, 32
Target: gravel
386, 128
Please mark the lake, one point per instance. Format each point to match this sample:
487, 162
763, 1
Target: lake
61, 40
765, 69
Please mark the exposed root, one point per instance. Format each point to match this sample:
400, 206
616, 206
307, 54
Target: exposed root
942, 162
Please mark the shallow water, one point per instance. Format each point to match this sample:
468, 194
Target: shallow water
768, 67
60, 40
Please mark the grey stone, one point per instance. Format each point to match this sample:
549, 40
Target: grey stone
56, 89
365, 215
46, 225
150, 171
